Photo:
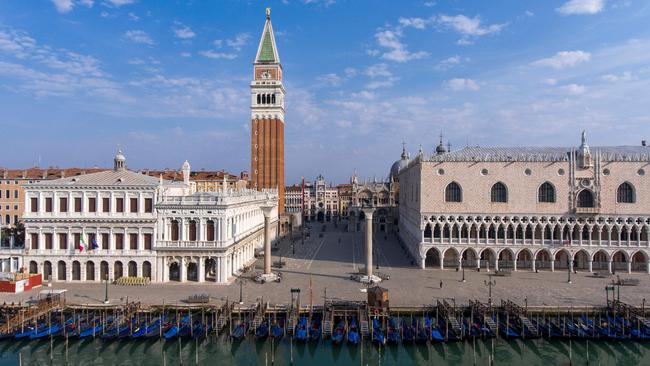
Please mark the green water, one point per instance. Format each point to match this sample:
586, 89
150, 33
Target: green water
221, 351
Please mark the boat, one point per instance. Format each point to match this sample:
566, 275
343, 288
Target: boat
436, 335
339, 333
353, 332
146, 328
423, 329
315, 329
240, 331
408, 332
377, 332
393, 335
175, 329
199, 330
262, 331
302, 333
277, 330
47, 331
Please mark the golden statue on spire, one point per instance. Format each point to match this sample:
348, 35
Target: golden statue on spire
268, 13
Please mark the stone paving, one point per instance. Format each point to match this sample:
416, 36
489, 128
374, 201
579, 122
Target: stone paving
328, 261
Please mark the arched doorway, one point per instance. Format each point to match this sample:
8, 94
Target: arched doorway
524, 259
562, 259
133, 269
192, 272
640, 262
209, 230
506, 259
543, 260
61, 270
103, 270
320, 216
619, 261
451, 258
432, 258
192, 230
47, 270
76, 271
146, 269
174, 272
210, 269
90, 271
118, 270
488, 259
33, 267
175, 230
469, 258
600, 261
581, 261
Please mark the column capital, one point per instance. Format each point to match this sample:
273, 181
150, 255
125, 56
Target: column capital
267, 209
368, 212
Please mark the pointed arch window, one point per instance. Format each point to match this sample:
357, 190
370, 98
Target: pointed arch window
259, 99
546, 193
586, 199
499, 193
272, 98
453, 193
625, 193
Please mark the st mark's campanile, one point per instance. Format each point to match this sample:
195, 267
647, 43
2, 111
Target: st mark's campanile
267, 116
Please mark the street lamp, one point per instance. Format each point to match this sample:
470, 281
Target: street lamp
463, 270
568, 268
106, 291
241, 291
489, 283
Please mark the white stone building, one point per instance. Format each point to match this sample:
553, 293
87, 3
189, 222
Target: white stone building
118, 223
534, 208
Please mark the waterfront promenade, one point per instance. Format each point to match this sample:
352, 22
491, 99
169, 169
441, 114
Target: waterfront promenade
329, 262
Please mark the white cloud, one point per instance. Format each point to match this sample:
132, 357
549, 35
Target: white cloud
469, 26
218, 55
186, 54
613, 78
386, 83
390, 39
417, 23
63, 6
330, 79
183, 32
460, 84
529, 13
118, 3
238, 41
578, 7
133, 17
574, 89
564, 59
550, 81
350, 72
378, 70
450, 62
138, 36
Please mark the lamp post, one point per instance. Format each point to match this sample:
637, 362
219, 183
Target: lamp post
377, 259
568, 268
106, 291
463, 270
241, 291
489, 283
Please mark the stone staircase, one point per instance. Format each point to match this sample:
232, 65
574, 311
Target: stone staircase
527, 323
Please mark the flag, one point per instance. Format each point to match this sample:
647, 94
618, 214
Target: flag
93, 243
82, 245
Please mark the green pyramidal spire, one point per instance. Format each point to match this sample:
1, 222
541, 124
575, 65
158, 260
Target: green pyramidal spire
267, 52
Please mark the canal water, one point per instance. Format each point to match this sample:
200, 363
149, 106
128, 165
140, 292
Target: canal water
222, 351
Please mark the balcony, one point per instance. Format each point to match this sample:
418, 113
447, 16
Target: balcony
186, 244
587, 210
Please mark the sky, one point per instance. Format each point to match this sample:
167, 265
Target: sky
169, 80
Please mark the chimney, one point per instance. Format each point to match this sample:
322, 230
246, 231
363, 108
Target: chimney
643, 143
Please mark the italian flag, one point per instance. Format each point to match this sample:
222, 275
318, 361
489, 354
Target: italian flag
82, 245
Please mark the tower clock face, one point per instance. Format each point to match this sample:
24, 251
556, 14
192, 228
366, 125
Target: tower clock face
266, 75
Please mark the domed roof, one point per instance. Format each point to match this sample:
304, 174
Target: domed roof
399, 164
120, 156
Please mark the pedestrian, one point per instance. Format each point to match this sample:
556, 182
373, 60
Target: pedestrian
441, 284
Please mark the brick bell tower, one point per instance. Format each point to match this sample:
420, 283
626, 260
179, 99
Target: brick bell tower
267, 116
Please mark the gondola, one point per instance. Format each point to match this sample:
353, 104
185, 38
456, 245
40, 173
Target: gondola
302, 333
240, 331
377, 332
339, 333
262, 330
353, 332
408, 332
175, 329
393, 335
422, 331
315, 329
277, 330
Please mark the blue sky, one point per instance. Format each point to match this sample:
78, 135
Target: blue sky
169, 80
